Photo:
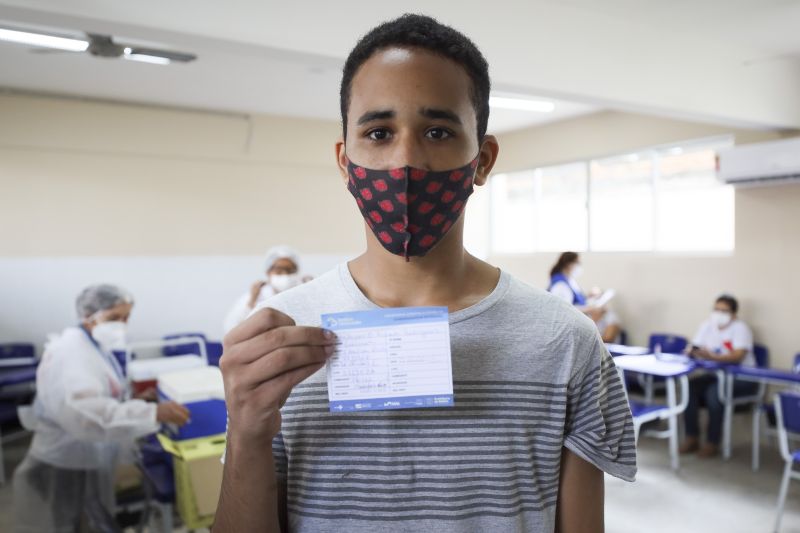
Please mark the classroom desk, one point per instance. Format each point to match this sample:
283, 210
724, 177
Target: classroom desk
672, 369
764, 376
622, 349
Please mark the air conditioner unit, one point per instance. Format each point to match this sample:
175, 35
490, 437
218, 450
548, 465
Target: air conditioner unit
765, 163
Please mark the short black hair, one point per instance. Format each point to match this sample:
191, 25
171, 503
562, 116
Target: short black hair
730, 301
420, 31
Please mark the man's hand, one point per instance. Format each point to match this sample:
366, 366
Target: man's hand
255, 292
595, 313
264, 358
172, 413
149, 394
702, 353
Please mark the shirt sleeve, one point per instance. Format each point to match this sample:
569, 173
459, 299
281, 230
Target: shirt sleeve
599, 426
700, 337
238, 313
742, 338
562, 290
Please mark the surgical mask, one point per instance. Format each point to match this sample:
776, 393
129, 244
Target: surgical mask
282, 282
721, 318
410, 209
577, 271
111, 335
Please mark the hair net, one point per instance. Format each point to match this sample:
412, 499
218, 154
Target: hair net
99, 298
280, 252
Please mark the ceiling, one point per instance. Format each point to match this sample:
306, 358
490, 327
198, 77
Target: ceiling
729, 61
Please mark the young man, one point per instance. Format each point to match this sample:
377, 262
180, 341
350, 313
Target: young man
539, 408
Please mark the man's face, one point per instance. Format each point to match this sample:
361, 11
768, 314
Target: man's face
409, 107
282, 266
723, 307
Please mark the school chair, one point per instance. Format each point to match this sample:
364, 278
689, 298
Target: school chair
787, 414
766, 425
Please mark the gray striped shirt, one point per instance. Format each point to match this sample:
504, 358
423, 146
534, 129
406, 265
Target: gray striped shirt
530, 376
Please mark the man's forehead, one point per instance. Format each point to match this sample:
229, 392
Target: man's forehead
396, 76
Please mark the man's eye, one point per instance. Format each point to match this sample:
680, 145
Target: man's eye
378, 134
438, 133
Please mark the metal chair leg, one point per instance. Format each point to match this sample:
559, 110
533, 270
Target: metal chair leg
756, 457
787, 475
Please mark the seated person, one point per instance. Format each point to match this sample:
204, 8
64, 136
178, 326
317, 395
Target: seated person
606, 320
607, 323
563, 279
281, 273
724, 338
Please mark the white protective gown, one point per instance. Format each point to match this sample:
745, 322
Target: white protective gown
240, 310
80, 418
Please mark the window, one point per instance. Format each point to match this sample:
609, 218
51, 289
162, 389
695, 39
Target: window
621, 204
665, 198
694, 211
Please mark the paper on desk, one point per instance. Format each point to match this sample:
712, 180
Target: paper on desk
604, 298
390, 359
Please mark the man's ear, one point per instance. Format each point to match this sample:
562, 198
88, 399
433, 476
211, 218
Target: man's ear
341, 159
486, 159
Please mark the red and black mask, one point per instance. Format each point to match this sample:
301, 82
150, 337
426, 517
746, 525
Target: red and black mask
410, 209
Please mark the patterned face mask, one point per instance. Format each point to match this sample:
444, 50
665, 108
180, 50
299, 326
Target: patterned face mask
410, 209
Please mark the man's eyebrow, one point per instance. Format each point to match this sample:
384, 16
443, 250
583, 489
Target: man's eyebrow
442, 114
369, 116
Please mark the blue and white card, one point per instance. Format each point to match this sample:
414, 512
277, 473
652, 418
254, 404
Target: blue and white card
396, 358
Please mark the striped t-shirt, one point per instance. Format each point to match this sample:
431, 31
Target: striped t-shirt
530, 376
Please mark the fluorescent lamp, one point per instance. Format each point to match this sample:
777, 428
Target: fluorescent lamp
145, 58
521, 104
42, 39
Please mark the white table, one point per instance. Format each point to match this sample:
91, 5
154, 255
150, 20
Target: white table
671, 368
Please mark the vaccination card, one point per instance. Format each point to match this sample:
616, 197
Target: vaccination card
396, 358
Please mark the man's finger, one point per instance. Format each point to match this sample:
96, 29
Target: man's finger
261, 321
280, 387
284, 360
281, 337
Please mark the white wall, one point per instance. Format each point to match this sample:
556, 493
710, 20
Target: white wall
172, 294
179, 205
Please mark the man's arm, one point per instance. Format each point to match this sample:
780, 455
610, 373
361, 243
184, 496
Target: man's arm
735, 357
580, 496
265, 357
249, 499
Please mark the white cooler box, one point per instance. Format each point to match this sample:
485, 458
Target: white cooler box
202, 392
143, 373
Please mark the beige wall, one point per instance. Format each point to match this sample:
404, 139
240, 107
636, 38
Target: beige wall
674, 292
92, 179
87, 178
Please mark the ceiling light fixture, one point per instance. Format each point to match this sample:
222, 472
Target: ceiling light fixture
521, 104
145, 58
43, 39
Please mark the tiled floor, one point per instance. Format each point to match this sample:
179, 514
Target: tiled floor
705, 496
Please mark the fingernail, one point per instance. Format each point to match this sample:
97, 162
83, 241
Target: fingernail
328, 334
329, 349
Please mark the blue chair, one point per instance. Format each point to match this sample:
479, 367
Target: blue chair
17, 350
189, 348
214, 351
668, 342
643, 412
787, 413
17, 384
155, 464
769, 429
